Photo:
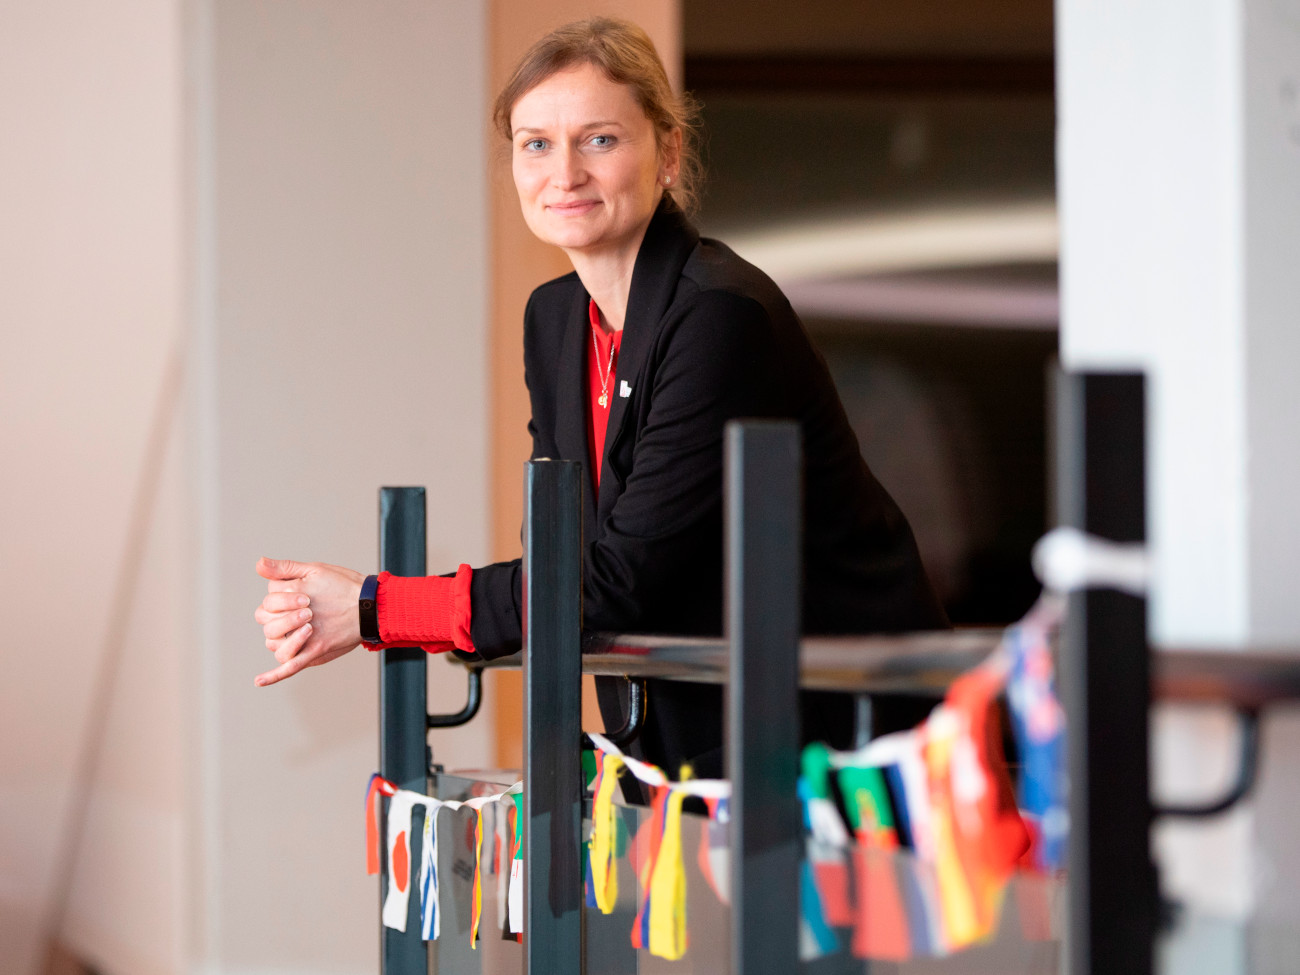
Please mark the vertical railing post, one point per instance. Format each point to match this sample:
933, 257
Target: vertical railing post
552, 618
1105, 683
764, 508
403, 711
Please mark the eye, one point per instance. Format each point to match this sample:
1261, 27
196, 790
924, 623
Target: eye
602, 141
534, 145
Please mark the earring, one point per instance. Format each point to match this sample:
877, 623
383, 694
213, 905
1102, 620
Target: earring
667, 180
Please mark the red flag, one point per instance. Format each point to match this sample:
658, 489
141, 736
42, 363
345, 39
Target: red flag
377, 785
881, 931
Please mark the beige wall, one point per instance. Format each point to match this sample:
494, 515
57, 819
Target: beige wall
245, 284
91, 309
520, 263
341, 299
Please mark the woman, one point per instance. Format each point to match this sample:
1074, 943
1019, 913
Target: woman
634, 362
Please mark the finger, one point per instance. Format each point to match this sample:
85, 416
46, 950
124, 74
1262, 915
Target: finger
313, 656
285, 602
293, 643
275, 645
281, 568
277, 625
287, 669
279, 603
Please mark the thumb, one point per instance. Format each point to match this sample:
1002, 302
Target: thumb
280, 568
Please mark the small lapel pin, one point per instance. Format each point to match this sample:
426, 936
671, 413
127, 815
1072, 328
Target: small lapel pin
624, 390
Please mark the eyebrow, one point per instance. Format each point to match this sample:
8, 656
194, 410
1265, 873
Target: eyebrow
587, 125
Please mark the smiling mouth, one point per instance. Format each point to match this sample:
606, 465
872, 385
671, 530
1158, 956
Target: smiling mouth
574, 207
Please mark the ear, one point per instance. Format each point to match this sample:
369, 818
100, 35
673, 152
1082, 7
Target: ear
671, 151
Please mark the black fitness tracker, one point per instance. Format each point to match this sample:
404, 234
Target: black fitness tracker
367, 611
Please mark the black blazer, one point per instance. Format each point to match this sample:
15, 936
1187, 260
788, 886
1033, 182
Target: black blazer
708, 338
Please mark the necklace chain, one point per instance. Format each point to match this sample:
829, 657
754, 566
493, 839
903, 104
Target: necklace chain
603, 399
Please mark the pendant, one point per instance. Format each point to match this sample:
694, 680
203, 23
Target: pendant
603, 400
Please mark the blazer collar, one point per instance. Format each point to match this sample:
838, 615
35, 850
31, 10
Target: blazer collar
571, 394
668, 243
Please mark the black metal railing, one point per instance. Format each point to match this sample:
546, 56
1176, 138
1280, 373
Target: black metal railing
1108, 675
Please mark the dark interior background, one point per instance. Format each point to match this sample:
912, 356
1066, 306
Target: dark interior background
862, 111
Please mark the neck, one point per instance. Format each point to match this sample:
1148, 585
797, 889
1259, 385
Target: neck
607, 276
609, 286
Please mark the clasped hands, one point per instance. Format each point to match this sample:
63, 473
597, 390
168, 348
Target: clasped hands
309, 615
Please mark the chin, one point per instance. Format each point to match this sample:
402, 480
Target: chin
569, 237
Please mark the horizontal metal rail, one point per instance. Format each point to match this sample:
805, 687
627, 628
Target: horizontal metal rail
1244, 678
917, 663
926, 663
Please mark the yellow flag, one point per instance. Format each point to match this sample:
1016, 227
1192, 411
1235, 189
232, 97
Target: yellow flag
604, 825
668, 887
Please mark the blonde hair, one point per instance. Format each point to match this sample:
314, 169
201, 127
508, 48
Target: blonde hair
627, 56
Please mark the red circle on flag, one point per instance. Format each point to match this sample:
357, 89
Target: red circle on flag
401, 869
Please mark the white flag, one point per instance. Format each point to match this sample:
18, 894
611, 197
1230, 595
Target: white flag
399, 857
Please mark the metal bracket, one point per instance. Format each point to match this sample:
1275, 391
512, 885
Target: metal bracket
473, 700
636, 708
1247, 771
864, 728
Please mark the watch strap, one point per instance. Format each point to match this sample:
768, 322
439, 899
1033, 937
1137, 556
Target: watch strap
368, 610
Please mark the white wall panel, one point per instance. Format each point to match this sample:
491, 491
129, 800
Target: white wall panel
347, 323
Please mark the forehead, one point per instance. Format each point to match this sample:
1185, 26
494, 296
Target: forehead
576, 96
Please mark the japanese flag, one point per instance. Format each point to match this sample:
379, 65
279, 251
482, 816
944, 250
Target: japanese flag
399, 857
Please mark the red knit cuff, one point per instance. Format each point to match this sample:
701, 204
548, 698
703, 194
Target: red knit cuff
462, 612
431, 612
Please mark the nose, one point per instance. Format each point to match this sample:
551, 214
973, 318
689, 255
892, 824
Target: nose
569, 171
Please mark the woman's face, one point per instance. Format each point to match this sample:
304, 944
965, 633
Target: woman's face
586, 162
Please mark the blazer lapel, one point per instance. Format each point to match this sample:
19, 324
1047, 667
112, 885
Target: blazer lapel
571, 403
668, 243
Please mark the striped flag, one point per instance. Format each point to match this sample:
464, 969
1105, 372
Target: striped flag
430, 917
648, 837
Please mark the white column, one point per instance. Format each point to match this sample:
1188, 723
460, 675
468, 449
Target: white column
1179, 188
1152, 268
1179, 163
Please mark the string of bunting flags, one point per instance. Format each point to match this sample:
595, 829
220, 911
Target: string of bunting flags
911, 841
918, 862
660, 925
506, 835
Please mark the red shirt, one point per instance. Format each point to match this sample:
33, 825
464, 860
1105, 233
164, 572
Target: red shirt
602, 367
435, 613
